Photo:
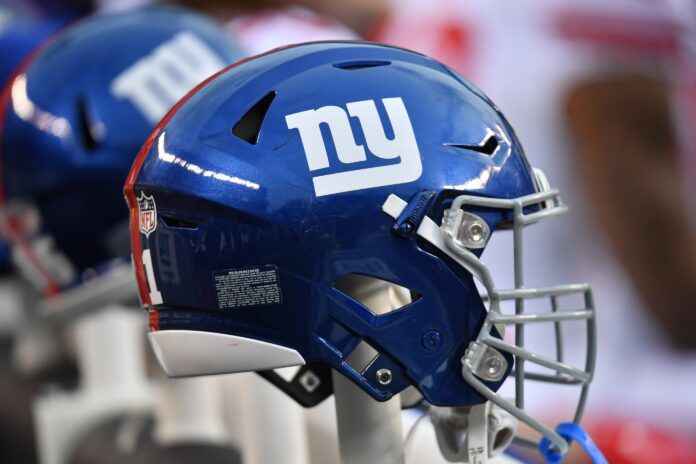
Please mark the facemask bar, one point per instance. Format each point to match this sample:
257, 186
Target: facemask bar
483, 359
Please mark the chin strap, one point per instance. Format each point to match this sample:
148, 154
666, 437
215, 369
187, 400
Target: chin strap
571, 432
472, 434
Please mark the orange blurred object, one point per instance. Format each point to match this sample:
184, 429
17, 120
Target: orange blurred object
633, 442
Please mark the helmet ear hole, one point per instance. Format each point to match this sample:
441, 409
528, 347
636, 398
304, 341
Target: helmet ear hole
377, 295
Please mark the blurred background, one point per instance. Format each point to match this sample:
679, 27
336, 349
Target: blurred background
601, 93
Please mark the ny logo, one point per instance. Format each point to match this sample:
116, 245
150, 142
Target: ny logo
154, 83
402, 146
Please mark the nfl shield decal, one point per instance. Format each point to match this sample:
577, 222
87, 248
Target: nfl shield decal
147, 219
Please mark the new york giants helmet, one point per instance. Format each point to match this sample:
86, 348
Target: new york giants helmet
286, 176
71, 123
17, 40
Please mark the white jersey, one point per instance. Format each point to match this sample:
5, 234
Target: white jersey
113, 6
526, 55
270, 29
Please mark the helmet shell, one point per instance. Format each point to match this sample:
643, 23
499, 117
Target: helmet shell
230, 201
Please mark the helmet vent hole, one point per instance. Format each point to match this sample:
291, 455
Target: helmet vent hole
357, 65
249, 127
362, 356
87, 129
487, 147
177, 223
378, 296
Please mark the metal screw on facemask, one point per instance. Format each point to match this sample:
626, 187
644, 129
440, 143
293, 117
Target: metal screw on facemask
475, 232
384, 376
494, 366
485, 362
468, 230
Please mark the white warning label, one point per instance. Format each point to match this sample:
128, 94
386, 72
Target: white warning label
254, 286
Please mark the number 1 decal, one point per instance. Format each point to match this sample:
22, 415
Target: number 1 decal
147, 223
155, 295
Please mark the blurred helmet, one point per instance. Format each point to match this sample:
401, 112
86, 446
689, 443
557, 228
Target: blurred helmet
286, 181
18, 39
72, 121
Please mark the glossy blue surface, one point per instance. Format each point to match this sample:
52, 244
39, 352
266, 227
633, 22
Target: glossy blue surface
19, 39
263, 211
73, 177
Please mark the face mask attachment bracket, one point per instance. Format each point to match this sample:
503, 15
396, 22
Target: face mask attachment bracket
462, 231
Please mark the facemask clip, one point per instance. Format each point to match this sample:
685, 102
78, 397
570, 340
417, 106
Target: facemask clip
485, 362
467, 229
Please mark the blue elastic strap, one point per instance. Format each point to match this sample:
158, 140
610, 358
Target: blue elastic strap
571, 431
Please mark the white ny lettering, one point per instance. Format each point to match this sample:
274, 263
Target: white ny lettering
403, 145
154, 83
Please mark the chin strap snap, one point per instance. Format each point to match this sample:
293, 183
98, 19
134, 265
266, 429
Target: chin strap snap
571, 432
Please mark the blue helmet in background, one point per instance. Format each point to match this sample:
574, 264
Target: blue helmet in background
278, 190
73, 120
62, 10
18, 38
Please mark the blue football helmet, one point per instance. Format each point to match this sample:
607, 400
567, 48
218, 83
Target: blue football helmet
18, 38
283, 179
73, 120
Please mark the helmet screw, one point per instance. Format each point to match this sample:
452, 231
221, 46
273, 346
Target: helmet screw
406, 228
384, 376
431, 340
493, 366
475, 232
